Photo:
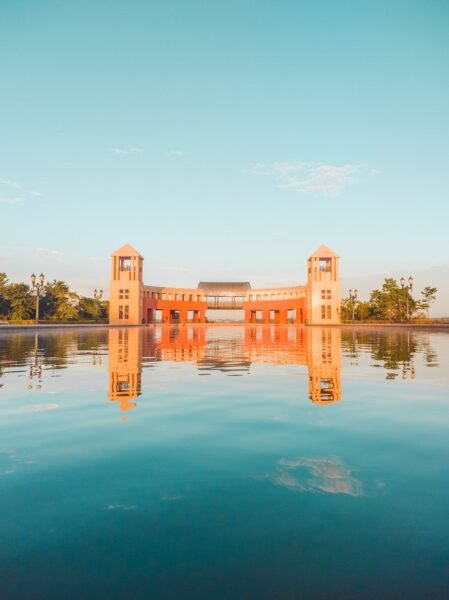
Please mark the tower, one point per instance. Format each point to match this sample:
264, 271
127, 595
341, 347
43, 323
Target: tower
126, 287
323, 288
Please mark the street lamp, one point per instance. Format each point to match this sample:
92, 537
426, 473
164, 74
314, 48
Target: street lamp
407, 288
98, 295
37, 290
353, 298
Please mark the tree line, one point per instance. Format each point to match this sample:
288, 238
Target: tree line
391, 303
56, 303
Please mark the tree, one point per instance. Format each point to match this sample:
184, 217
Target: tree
59, 303
390, 303
429, 296
21, 302
56, 303
5, 306
346, 309
90, 308
363, 311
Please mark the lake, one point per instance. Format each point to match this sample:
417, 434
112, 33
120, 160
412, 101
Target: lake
224, 462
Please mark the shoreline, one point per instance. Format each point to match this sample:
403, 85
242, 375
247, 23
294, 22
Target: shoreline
444, 327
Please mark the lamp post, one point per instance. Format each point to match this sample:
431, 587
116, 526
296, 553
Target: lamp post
38, 290
98, 295
407, 288
353, 296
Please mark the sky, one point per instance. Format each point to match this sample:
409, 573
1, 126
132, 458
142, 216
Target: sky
225, 140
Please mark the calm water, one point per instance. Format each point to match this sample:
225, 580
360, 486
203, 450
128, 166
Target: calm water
224, 462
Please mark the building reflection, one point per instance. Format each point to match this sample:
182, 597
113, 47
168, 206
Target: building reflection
324, 364
125, 366
227, 350
234, 351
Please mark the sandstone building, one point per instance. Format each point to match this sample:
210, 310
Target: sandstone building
134, 303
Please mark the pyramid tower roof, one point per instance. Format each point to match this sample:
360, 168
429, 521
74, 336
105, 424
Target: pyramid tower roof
126, 250
323, 252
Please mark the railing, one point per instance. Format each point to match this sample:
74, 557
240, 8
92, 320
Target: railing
224, 302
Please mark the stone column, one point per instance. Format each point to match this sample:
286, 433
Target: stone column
298, 319
183, 316
283, 316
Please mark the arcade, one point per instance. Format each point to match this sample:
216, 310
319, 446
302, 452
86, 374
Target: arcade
134, 303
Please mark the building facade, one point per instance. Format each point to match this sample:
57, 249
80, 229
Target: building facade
134, 303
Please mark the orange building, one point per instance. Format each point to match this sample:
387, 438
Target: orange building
133, 303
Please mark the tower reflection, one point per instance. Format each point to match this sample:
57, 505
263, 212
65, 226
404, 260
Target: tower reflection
125, 366
231, 350
324, 364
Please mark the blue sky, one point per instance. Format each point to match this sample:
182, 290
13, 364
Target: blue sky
225, 140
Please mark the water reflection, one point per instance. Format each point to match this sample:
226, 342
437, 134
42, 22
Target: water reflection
43, 354
222, 350
225, 466
392, 349
35, 370
125, 366
320, 474
232, 351
54, 349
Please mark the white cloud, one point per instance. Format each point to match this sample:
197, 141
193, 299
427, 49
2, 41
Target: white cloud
305, 177
127, 151
48, 252
175, 153
15, 185
9, 200
10, 183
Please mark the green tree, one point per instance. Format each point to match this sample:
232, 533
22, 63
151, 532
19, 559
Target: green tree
390, 303
429, 297
59, 303
90, 308
5, 306
346, 309
56, 303
361, 310
21, 302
